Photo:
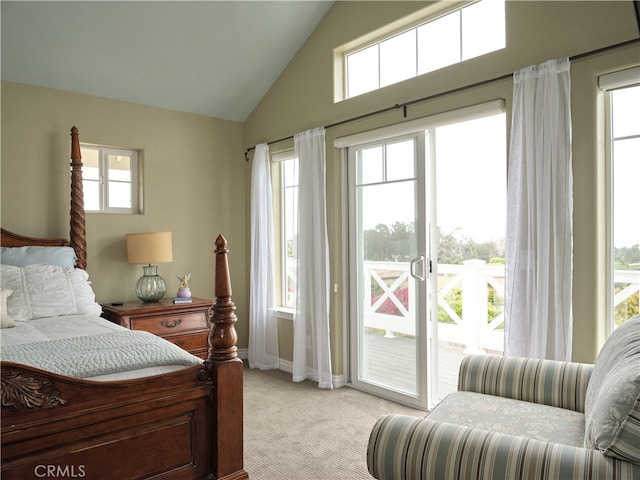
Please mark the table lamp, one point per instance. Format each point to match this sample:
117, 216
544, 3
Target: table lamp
152, 247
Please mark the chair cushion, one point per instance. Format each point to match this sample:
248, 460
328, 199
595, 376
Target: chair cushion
612, 406
511, 417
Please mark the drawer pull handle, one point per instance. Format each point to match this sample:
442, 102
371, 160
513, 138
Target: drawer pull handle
180, 344
173, 324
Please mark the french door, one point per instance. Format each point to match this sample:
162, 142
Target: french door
389, 268
437, 192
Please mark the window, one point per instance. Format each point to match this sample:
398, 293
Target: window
623, 171
465, 33
288, 198
110, 179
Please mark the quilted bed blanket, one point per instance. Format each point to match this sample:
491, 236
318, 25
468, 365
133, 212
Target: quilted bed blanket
102, 354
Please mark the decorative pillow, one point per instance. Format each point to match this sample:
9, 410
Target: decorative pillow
23, 256
47, 291
612, 407
5, 320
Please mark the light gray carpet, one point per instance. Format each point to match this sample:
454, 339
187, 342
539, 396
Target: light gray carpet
298, 431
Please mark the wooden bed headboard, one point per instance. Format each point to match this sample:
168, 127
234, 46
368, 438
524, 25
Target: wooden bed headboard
77, 228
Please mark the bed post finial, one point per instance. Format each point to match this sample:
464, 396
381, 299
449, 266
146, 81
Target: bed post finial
223, 336
225, 369
77, 234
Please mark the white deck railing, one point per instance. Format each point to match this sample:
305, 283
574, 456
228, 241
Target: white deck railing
630, 278
474, 278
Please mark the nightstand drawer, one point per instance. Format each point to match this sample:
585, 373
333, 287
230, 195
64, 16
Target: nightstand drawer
170, 324
197, 342
185, 325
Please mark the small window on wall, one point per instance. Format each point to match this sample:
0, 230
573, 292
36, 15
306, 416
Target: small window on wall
110, 179
622, 92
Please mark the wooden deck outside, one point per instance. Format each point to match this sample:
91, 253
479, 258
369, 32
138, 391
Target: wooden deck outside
391, 361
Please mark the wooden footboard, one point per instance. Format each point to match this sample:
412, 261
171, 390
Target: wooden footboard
55, 426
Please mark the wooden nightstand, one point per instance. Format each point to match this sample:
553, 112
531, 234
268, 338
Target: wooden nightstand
186, 325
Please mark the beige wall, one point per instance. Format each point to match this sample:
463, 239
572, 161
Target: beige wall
302, 98
194, 186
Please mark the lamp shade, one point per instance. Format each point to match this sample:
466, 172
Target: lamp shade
151, 247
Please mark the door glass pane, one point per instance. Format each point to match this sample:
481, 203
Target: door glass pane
400, 160
386, 243
470, 166
371, 165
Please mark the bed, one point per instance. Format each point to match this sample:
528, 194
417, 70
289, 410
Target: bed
183, 421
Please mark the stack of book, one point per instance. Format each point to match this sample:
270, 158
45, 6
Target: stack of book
181, 300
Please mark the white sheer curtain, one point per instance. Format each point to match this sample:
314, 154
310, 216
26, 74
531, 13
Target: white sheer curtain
263, 326
311, 351
538, 279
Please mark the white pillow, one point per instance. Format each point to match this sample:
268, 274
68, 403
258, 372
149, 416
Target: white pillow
5, 320
47, 291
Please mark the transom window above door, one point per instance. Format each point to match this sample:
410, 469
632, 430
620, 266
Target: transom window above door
434, 42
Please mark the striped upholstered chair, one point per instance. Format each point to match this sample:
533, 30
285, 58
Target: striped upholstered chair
514, 418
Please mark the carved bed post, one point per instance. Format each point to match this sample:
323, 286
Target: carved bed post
225, 369
77, 234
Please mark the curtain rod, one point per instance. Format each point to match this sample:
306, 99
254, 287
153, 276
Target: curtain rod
448, 92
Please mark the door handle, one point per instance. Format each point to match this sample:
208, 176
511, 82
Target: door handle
412, 268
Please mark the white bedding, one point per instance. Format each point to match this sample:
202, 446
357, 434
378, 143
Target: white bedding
71, 326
